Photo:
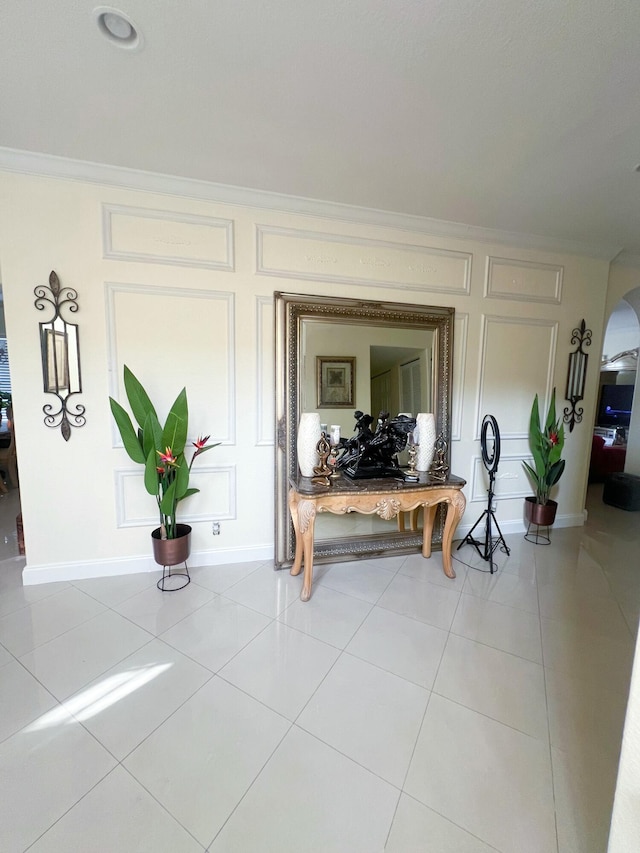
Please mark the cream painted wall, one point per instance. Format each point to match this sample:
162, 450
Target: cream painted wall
181, 290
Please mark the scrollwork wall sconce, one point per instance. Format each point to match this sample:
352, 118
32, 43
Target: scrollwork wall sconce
577, 375
60, 348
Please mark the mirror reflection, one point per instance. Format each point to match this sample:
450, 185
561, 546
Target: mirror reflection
339, 356
393, 373
393, 368
60, 361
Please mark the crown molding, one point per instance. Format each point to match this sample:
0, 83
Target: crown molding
50, 166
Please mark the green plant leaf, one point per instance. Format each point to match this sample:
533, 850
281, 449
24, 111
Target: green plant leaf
556, 450
551, 414
151, 473
538, 458
127, 433
534, 421
168, 502
138, 398
182, 478
532, 475
174, 434
555, 472
190, 492
152, 435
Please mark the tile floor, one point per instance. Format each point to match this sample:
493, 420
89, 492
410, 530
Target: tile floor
397, 711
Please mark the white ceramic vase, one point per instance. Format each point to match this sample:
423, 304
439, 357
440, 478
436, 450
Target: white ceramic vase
307, 442
425, 433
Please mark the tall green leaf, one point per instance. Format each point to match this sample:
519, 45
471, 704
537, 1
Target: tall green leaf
534, 421
151, 473
138, 398
532, 474
168, 502
152, 434
174, 434
129, 438
182, 478
555, 472
551, 414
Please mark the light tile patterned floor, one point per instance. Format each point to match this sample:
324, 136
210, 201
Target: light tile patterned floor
396, 711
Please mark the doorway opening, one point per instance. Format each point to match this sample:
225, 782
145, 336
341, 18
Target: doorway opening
11, 538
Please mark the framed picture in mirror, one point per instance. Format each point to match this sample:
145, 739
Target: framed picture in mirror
335, 382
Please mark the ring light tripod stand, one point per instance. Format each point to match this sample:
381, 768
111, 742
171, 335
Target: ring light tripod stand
490, 447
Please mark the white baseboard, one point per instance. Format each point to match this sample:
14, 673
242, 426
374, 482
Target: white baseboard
83, 569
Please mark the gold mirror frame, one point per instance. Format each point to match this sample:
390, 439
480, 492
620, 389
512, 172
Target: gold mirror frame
291, 313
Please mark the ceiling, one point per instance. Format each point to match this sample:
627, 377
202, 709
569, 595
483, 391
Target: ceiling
503, 114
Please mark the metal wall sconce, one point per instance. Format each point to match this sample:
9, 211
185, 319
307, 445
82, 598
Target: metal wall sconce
60, 350
577, 375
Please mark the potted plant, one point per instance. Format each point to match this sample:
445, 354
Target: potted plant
546, 442
161, 449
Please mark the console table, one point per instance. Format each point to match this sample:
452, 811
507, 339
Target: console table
384, 497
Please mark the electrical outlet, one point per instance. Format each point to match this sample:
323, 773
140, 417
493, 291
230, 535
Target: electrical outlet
216, 528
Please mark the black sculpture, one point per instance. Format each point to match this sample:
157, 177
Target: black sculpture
371, 454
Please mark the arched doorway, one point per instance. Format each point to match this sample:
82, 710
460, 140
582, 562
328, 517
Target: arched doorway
618, 409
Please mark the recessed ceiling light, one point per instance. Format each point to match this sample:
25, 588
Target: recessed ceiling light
118, 28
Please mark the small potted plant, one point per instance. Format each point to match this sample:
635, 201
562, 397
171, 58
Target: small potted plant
161, 449
546, 443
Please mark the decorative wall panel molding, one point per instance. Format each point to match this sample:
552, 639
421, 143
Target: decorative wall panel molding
265, 390
511, 480
517, 360
292, 253
208, 314
216, 501
167, 237
460, 332
526, 281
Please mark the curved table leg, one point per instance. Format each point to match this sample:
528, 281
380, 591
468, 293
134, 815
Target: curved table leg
455, 511
303, 515
427, 528
307, 547
293, 509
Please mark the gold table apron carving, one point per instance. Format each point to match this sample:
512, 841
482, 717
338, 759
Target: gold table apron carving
369, 498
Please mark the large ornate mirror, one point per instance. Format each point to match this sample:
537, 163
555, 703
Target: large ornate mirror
396, 357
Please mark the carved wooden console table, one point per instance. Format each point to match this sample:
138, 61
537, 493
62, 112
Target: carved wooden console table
384, 497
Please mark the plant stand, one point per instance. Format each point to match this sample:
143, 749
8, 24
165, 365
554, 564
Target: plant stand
169, 553
167, 574
539, 516
538, 538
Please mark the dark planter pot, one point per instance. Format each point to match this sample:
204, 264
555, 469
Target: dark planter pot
542, 514
172, 552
